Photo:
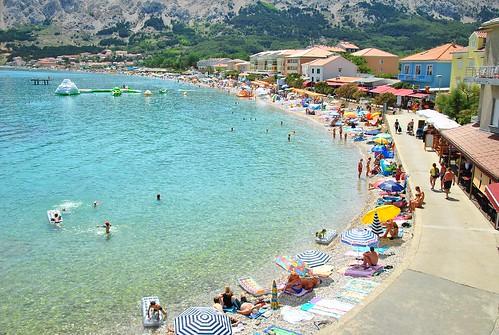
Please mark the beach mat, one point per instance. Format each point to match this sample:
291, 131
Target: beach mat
279, 331
361, 285
351, 297
360, 271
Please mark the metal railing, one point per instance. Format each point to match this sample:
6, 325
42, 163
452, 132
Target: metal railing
490, 72
415, 77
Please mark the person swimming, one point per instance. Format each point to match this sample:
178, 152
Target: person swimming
107, 225
158, 197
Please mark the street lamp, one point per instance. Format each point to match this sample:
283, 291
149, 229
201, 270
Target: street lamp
439, 76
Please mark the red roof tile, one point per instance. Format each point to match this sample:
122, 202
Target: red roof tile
480, 146
442, 53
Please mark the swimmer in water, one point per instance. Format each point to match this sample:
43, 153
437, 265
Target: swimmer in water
158, 196
95, 204
267, 130
232, 129
289, 137
281, 123
107, 225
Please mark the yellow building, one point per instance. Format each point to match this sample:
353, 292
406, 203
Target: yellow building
468, 57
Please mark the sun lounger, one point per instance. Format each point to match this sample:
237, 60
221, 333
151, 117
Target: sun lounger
360, 271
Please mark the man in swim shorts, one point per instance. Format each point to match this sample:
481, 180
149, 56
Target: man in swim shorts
156, 309
359, 167
449, 178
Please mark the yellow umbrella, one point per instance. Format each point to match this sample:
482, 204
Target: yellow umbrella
385, 213
375, 114
350, 115
381, 141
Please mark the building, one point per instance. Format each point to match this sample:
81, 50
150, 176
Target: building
208, 64
379, 61
293, 63
347, 46
430, 68
470, 56
48, 62
475, 147
326, 68
243, 66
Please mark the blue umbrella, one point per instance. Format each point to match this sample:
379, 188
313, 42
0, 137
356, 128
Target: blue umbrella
378, 148
358, 237
391, 186
202, 321
373, 132
313, 258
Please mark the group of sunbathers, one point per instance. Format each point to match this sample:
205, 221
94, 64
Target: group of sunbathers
226, 301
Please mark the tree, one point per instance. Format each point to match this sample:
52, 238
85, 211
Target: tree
389, 98
294, 80
323, 88
359, 95
359, 61
347, 91
461, 104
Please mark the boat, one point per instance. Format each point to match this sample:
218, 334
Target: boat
67, 87
151, 322
51, 215
328, 237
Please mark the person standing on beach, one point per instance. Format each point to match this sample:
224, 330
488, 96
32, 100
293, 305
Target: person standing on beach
368, 166
334, 132
434, 173
448, 179
359, 167
345, 137
341, 131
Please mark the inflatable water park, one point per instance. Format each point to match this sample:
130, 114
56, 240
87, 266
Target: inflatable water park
67, 87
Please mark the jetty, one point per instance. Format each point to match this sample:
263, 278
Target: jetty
41, 81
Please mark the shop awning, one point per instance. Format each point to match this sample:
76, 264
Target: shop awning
418, 95
492, 193
403, 92
382, 89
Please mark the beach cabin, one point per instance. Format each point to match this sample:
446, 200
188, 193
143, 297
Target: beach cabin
327, 68
430, 68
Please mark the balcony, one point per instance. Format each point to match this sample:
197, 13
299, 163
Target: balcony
484, 75
415, 77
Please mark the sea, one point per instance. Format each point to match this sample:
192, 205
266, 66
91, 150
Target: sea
235, 193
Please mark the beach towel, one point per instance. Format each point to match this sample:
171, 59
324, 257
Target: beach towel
351, 297
330, 307
279, 331
293, 315
359, 270
251, 286
256, 315
361, 285
323, 270
298, 294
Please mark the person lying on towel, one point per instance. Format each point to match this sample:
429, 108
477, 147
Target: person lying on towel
296, 284
370, 258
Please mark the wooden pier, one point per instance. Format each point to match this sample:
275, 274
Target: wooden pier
41, 81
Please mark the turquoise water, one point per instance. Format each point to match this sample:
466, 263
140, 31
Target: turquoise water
231, 201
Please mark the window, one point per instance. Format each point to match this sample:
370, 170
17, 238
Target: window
429, 70
381, 61
406, 69
339, 69
313, 79
313, 70
418, 69
318, 71
460, 64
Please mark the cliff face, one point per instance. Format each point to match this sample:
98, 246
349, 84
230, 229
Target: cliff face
94, 15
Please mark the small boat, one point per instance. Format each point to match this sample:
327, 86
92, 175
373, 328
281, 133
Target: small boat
153, 321
328, 237
54, 216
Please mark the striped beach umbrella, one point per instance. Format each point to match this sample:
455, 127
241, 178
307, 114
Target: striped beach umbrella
376, 226
313, 258
274, 303
202, 321
358, 237
391, 186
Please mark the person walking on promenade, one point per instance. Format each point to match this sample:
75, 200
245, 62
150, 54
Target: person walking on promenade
448, 179
397, 125
368, 166
443, 169
359, 167
434, 174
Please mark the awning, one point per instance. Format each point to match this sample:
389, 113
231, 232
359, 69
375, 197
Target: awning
418, 95
307, 83
492, 193
403, 92
382, 89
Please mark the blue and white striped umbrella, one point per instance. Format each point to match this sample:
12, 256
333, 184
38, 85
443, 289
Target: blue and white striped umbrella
391, 186
358, 237
313, 258
376, 226
202, 321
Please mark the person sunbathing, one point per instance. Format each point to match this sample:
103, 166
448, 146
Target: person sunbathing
391, 228
370, 258
296, 284
418, 201
247, 308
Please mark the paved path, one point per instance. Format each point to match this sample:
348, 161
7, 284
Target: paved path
450, 282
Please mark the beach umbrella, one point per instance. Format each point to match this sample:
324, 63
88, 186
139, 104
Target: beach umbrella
378, 148
359, 237
373, 132
384, 135
391, 186
385, 213
293, 265
381, 141
350, 115
376, 226
202, 321
313, 258
274, 303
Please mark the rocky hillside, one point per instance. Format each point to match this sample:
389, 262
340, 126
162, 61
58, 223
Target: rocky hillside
95, 15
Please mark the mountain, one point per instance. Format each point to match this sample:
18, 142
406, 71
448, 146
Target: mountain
198, 28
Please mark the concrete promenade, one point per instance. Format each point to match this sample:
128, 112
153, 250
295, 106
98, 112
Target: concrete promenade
449, 283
